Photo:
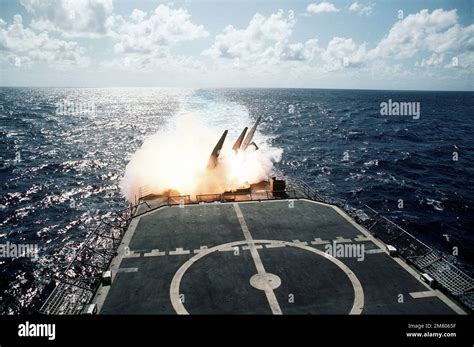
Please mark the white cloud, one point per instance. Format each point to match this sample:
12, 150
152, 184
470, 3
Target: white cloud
264, 41
321, 7
21, 46
260, 35
153, 34
261, 51
138, 15
434, 60
147, 63
72, 18
462, 61
300, 51
343, 52
361, 9
437, 32
264, 45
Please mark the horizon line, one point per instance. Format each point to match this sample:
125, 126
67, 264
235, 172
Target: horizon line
310, 88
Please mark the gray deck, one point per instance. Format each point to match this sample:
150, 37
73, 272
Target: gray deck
172, 266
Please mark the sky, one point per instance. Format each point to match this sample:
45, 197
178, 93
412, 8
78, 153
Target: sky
363, 44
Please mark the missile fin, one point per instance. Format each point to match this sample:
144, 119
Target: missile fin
217, 150
249, 137
254, 145
238, 143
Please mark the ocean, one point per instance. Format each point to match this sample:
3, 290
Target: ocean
64, 151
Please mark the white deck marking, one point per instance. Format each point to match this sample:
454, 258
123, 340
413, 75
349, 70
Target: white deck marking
265, 281
202, 248
318, 241
246, 248
340, 239
362, 238
178, 306
128, 269
132, 254
275, 245
374, 251
271, 297
425, 294
300, 242
155, 253
229, 249
179, 251
359, 299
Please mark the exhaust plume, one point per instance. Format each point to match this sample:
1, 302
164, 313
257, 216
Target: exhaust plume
176, 160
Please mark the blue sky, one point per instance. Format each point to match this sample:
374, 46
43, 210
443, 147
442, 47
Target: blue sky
240, 43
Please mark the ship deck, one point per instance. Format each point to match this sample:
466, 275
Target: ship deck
260, 257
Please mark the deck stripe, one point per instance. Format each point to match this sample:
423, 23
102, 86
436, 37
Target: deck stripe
128, 269
271, 297
425, 294
374, 251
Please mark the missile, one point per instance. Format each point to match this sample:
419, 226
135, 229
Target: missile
249, 137
241, 144
212, 163
238, 143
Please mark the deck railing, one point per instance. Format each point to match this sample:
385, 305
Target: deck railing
76, 285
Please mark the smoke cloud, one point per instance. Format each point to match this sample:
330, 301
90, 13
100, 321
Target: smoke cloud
174, 161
